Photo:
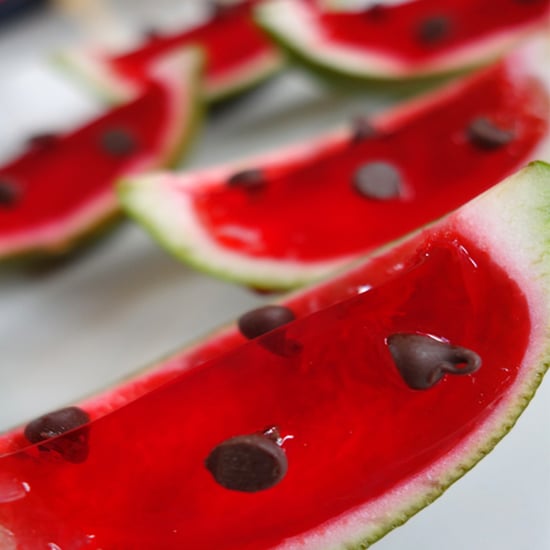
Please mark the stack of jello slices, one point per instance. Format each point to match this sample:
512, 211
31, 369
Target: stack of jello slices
331, 417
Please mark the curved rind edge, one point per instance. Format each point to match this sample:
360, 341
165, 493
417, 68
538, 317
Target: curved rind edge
376, 75
136, 196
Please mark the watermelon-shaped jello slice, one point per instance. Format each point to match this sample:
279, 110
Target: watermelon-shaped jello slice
62, 188
290, 217
239, 55
325, 432
423, 38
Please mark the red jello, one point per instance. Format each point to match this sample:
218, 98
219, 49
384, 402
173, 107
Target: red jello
309, 210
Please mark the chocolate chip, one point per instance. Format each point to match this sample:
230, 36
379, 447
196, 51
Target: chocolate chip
9, 193
378, 180
483, 133
219, 9
250, 179
72, 446
247, 463
362, 129
279, 344
423, 361
55, 423
264, 319
433, 29
375, 12
151, 33
263, 291
118, 142
42, 141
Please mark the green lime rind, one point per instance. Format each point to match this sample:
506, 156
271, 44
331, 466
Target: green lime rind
42, 258
320, 63
429, 495
333, 76
135, 196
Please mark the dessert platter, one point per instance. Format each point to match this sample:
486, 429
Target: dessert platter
271, 279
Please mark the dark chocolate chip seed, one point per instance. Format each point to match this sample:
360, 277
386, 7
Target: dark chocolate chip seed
279, 344
378, 180
484, 134
219, 9
264, 319
55, 423
151, 33
362, 129
250, 179
9, 193
263, 291
423, 360
375, 12
43, 140
72, 446
118, 142
433, 30
247, 463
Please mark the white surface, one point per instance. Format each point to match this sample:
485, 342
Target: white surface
71, 331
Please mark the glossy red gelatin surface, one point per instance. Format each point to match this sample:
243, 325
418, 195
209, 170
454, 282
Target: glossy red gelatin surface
440, 166
228, 40
352, 428
59, 178
395, 30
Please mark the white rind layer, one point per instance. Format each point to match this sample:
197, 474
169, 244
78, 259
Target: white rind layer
163, 204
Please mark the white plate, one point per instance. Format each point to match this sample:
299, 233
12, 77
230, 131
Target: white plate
78, 328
